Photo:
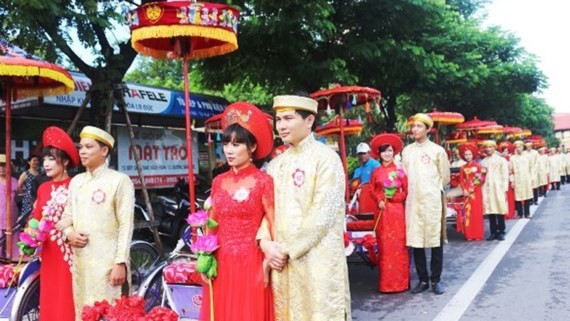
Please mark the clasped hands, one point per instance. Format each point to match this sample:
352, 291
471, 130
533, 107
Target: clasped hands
274, 254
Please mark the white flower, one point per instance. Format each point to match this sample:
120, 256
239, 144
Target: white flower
98, 196
61, 199
241, 195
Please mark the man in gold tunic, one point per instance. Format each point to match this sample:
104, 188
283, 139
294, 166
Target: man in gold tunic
309, 221
543, 170
567, 157
495, 190
555, 164
521, 169
427, 166
532, 154
100, 211
563, 165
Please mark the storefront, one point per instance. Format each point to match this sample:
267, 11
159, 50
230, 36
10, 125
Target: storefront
158, 119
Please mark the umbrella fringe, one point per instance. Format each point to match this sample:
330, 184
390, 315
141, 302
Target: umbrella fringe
34, 71
228, 38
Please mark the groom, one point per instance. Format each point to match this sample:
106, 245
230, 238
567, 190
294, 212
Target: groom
310, 277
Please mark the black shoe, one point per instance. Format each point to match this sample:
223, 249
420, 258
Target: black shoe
500, 236
421, 287
492, 237
437, 288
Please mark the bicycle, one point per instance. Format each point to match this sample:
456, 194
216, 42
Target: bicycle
184, 299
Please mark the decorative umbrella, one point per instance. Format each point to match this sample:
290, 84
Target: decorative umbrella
342, 97
474, 124
526, 133
490, 130
187, 30
456, 138
536, 140
25, 75
351, 127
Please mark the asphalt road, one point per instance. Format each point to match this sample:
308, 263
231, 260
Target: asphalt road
525, 277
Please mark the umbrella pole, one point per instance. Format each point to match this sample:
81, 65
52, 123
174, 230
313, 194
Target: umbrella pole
9, 204
188, 135
343, 157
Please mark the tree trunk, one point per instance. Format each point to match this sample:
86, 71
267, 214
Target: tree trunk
391, 112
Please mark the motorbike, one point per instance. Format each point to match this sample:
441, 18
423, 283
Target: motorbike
170, 215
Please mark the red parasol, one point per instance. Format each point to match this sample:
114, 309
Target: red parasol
342, 97
25, 75
490, 130
351, 127
456, 138
475, 123
536, 140
187, 30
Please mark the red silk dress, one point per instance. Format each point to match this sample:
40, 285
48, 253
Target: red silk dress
471, 178
56, 296
394, 261
239, 203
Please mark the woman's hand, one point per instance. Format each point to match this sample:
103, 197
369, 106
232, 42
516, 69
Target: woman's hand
381, 205
63, 223
466, 192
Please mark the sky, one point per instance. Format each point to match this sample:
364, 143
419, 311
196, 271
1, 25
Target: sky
543, 27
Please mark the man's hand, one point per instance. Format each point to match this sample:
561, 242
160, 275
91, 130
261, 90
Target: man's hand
78, 239
118, 274
274, 254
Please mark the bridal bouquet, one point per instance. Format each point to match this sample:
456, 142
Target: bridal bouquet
393, 182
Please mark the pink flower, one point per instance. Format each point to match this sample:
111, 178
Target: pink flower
28, 239
162, 314
200, 218
387, 183
46, 226
205, 244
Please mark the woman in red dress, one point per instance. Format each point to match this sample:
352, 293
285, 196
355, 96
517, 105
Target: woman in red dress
389, 188
56, 297
241, 199
471, 178
507, 149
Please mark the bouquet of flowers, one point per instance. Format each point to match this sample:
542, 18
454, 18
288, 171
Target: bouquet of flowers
393, 182
33, 235
126, 309
205, 246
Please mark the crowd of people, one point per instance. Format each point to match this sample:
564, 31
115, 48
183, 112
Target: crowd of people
281, 254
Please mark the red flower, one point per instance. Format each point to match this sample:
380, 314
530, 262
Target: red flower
161, 314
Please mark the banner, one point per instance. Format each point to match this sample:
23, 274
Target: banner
162, 155
147, 100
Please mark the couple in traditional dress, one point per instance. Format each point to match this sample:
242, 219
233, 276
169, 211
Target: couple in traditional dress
281, 254
93, 213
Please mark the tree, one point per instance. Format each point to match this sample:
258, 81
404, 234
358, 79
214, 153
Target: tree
47, 27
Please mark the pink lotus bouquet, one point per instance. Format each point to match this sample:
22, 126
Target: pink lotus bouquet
393, 182
205, 245
33, 235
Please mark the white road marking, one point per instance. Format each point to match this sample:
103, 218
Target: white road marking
457, 306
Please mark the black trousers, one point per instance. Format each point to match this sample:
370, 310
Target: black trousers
555, 185
523, 208
563, 179
496, 223
543, 190
535, 195
436, 263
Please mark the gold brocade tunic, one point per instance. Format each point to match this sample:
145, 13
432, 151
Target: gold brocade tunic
521, 169
309, 220
555, 167
100, 204
427, 167
496, 185
533, 156
543, 170
567, 157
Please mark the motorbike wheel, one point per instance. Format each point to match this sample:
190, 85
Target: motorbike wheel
29, 308
143, 258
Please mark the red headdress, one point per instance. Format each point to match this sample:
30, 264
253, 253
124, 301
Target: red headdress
56, 137
253, 120
468, 147
508, 145
385, 139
